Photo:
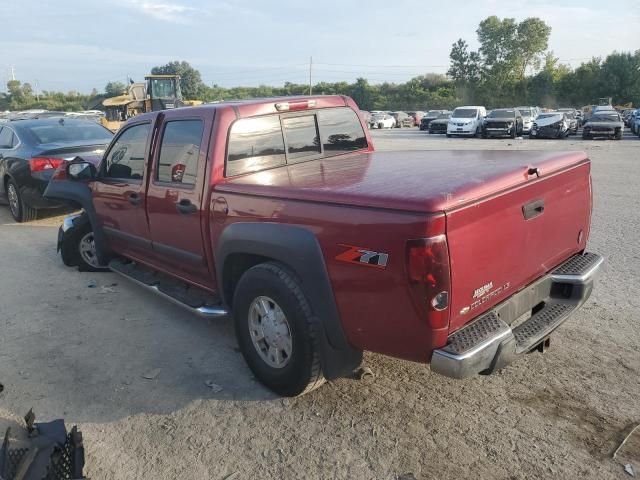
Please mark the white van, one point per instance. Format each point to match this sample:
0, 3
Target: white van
466, 121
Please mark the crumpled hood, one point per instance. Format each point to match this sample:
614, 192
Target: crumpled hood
545, 122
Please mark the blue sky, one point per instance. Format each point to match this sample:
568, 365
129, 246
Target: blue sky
81, 44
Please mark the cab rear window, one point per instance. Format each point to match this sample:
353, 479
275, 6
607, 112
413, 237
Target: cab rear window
274, 140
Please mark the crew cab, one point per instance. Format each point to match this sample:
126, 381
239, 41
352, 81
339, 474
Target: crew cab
279, 213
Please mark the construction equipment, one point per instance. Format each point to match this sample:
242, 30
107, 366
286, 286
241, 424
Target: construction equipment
157, 92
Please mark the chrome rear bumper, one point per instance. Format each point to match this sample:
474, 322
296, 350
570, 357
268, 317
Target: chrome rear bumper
493, 340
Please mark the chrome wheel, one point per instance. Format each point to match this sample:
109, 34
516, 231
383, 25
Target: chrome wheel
14, 200
87, 248
270, 332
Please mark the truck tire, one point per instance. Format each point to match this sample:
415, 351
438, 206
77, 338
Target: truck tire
78, 249
20, 211
618, 135
276, 331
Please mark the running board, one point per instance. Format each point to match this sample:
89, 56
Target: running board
196, 300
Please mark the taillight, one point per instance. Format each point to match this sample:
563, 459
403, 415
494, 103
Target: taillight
295, 105
429, 277
38, 164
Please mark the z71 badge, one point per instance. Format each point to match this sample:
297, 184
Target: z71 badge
362, 256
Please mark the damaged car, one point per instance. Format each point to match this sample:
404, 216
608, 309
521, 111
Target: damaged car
550, 125
603, 124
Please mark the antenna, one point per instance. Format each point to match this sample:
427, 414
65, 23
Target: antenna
310, 70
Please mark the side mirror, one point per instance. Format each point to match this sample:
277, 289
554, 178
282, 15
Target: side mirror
81, 171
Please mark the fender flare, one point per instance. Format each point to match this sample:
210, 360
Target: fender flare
80, 195
298, 248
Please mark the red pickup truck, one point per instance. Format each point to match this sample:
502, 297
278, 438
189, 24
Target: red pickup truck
279, 212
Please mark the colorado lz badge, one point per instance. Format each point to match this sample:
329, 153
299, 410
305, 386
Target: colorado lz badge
362, 256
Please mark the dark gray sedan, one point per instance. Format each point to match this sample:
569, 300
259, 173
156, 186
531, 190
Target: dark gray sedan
31, 150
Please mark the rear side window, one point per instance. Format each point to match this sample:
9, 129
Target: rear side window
125, 160
302, 137
7, 138
180, 151
340, 131
259, 143
255, 144
70, 132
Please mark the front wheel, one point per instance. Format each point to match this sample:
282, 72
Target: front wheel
78, 248
275, 330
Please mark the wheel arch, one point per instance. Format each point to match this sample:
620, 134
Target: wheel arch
243, 245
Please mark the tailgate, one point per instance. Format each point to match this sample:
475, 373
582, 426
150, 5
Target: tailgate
500, 244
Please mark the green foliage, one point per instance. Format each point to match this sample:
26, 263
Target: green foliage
190, 81
114, 89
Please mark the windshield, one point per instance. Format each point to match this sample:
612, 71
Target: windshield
502, 113
610, 117
465, 113
444, 115
61, 132
433, 113
162, 88
525, 112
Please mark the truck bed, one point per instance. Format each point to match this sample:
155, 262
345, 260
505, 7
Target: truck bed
416, 181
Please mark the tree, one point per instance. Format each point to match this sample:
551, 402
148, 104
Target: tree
362, 94
26, 89
13, 86
190, 81
113, 89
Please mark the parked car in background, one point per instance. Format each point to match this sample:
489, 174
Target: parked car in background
417, 117
30, 151
570, 113
382, 120
429, 117
466, 121
439, 125
528, 115
402, 119
632, 122
604, 123
579, 117
502, 122
550, 125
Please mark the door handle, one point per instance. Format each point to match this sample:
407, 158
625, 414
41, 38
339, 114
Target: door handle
134, 198
533, 209
185, 206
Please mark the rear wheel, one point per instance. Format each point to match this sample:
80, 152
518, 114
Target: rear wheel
618, 134
275, 330
20, 211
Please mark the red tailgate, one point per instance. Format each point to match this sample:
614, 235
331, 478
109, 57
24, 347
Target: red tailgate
495, 251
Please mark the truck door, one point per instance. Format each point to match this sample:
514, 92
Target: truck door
119, 192
175, 203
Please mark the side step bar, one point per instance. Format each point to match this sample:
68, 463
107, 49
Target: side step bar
200, 302
493, 340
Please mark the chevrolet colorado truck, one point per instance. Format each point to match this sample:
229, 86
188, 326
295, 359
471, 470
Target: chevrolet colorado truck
279, 213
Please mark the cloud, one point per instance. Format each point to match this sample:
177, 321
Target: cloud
168, 12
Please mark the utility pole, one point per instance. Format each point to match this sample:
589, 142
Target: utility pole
37, 85
310, 70
13, 73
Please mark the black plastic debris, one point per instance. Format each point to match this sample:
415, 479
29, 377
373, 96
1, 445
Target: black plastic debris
51, 453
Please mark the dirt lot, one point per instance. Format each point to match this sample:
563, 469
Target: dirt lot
79, 352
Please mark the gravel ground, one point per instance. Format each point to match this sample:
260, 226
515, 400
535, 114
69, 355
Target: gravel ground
79, 352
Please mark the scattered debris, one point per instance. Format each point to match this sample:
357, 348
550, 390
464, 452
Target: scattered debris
500, 410
92, 284
213, 386
152, 374
107, 290
629, 469
407, 476
286, 402
625, 440
364, 373
231, 476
